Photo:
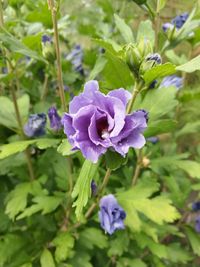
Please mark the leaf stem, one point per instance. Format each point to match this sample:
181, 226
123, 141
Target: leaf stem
138, 168
58, 55
137, 88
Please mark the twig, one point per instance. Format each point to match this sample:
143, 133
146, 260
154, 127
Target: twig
136, 90
58, 56
138, 167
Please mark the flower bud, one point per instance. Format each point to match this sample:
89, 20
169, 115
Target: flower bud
47, 47
132, 57
150, 61
145, 47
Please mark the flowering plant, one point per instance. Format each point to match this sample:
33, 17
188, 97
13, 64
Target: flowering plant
99, 126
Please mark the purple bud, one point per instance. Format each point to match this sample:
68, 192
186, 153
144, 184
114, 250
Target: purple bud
172, 80
180, 20
197, 224
76, 58
111, 215
35, 125
93, 188
46, 39
66, 88
196, 206
167, 26
156, 58
153, 139
55, 119
153, 84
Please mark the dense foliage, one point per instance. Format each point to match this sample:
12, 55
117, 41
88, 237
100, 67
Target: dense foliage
99, 173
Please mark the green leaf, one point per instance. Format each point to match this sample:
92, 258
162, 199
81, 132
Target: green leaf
64, 243
158, 102
176, 253
7, 111
190, 66
159, 127
118, 245
92, 237
136, 200
130, 263
14, 45
45, 204
98, 67
189, 127
19, 146
65, 148
146, 31
16, 200
117, 73
124, 29
46, 259
109, 45
114, 160
160, 5
159, 72
194, 240
140, 2
82, 189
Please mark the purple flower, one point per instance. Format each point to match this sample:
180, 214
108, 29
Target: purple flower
197, 224
55, 119
35, 125
111, 215
196, 206
172, 80
177, 22
93, 188
96, 122
76, 58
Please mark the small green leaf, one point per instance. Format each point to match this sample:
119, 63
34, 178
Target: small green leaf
46, 259
82, 189
160, 5
191, 65
194, 239
159, 127
159, 72
124, 29
92, 237
65, 148
98, 67
114, 160
64, 243
145, 31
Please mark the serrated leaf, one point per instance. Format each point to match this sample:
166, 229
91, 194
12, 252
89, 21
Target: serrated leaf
64, 243
45, 204
159, 127
65, 148
159, 72
124, 29
92, 237
136, 200
46, 259
190, 66
82, 189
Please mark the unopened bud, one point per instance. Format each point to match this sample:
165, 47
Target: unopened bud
150, 61
145, 162
144, 47
47, 47
132, 57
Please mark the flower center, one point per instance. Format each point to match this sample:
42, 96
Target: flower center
102, 128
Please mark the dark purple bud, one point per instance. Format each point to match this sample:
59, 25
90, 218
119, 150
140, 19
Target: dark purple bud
146, 114
46, 39
153, 84
196, 206
172, 80
197, 224
55, 119
93, 188
153, 139
155, 58
111, 215
179, 21
35, 125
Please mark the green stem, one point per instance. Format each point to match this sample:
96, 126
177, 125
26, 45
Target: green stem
58, 55
138, 168
136, 90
